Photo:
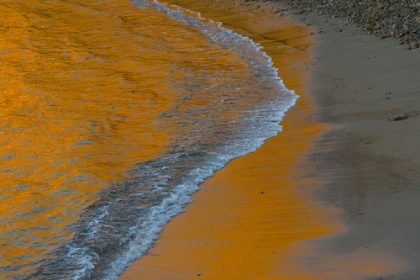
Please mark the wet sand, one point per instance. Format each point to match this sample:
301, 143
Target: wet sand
331, 197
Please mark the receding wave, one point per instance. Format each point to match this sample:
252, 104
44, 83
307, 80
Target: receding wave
138, 105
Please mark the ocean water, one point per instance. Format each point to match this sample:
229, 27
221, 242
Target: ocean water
113, 112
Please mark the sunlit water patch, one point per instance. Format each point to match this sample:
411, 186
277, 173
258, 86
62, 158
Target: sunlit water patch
112, 114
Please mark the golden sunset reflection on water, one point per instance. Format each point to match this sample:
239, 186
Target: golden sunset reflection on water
82, 84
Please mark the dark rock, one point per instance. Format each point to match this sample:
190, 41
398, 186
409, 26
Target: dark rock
398, 117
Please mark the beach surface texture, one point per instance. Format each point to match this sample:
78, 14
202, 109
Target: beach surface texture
336, 194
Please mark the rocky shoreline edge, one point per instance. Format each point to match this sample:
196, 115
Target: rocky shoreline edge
399, 19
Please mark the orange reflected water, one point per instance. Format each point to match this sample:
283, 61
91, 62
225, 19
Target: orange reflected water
76, 112
82, 86
257, 218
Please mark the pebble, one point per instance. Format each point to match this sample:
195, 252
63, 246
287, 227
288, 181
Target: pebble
399, 19
398, 117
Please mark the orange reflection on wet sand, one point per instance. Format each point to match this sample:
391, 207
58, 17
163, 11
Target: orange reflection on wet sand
256, 218
250, 213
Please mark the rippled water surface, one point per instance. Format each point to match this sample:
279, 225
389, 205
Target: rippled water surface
112, 113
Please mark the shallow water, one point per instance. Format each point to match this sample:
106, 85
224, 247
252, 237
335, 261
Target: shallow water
112, 114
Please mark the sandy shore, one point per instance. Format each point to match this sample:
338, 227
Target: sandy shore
334, 196
373, 164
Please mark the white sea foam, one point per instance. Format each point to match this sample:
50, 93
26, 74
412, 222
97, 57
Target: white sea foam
263, 124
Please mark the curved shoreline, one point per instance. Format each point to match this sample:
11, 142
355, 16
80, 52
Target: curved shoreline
349, 192
254, 209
